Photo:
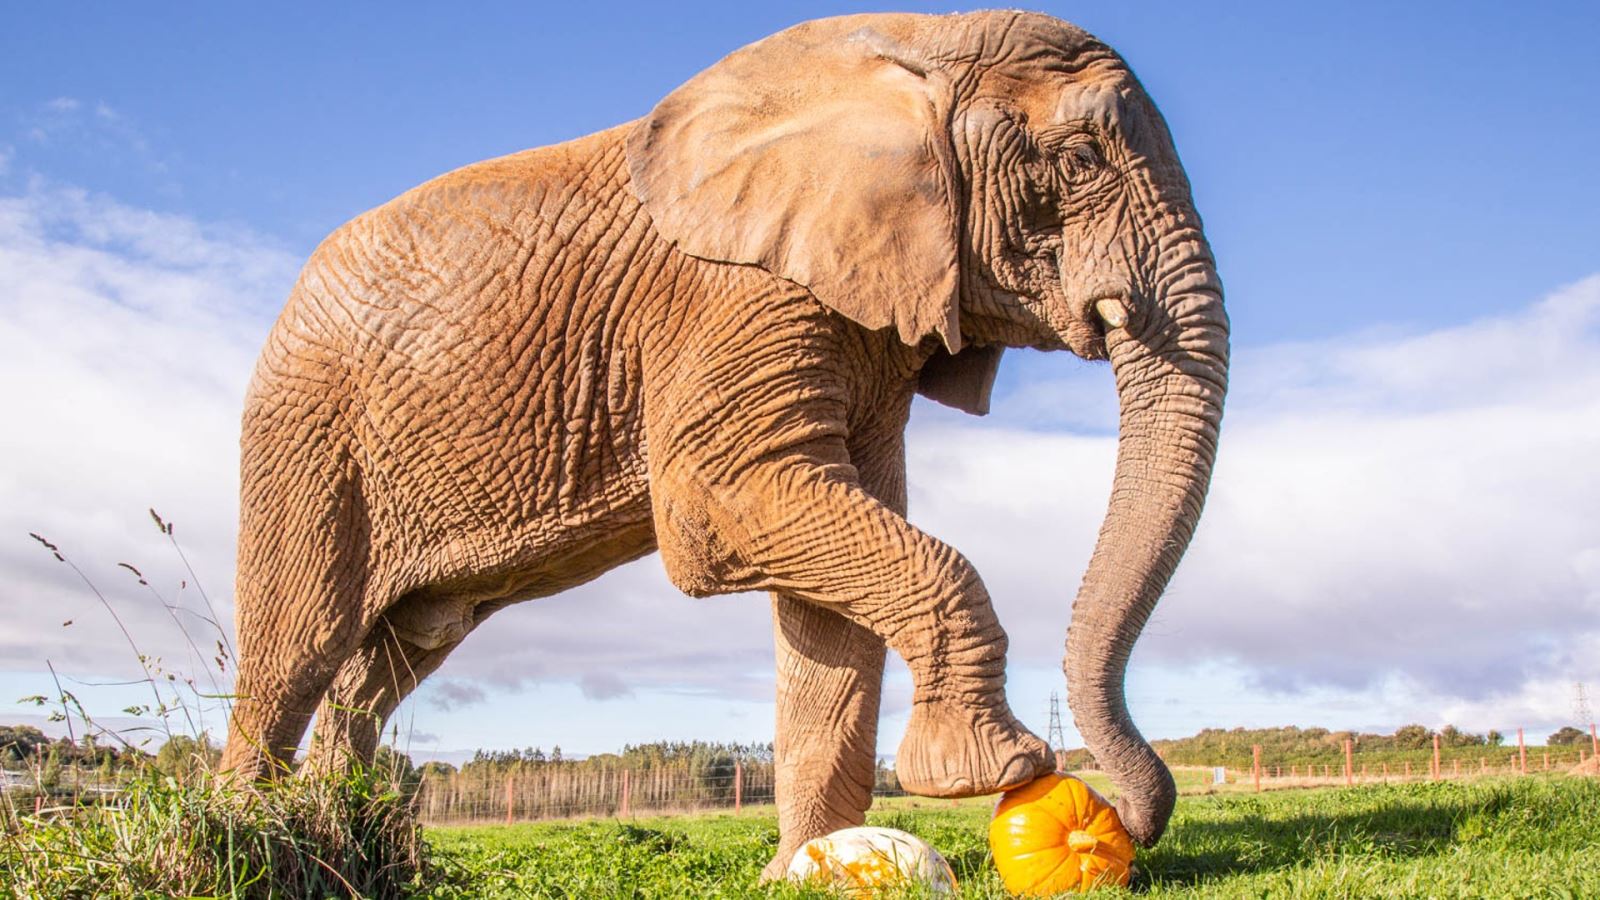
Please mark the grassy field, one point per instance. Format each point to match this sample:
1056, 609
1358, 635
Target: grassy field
1523, 837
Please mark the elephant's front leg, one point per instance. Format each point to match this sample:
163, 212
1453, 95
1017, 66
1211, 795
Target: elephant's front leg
830, 673
801, 525
754, 487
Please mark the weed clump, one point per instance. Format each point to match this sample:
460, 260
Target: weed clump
345, 835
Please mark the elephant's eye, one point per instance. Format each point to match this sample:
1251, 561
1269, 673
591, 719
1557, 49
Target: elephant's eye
1082, 158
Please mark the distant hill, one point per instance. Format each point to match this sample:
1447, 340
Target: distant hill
1291, 745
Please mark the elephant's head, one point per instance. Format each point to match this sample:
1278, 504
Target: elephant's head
977, 181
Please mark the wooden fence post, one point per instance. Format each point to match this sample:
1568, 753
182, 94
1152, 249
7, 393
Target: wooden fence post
1255, 766
1436, 772
1349, 768
1522, 753
1408, 768
1455, 768
1594, 742
738, 786
510, 796
627, 791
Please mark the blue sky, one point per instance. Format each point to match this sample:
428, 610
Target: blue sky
1381, 146
1400, 196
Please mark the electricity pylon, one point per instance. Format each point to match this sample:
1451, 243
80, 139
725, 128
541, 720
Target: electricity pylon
1056, 739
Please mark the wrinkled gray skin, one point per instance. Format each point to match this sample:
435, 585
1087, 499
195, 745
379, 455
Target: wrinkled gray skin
701, 333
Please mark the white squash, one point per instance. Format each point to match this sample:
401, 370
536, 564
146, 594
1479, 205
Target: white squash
863, 860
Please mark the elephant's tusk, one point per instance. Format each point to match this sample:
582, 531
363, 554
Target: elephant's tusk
1112, 312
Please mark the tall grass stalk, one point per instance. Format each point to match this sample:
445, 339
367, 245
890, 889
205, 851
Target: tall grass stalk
179, 828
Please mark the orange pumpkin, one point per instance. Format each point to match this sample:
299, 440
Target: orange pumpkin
1054, 835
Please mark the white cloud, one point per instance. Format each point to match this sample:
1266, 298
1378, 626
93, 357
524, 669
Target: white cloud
125, 344
629, 631
1428, 502
1417, 508
97, 133
451, 693
1405, 522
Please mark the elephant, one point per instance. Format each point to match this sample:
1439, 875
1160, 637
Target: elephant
700, 333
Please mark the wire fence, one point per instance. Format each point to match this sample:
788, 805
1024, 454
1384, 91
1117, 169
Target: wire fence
522, 793
516, 795
1351, 767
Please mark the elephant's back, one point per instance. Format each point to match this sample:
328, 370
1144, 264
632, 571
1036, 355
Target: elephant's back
476, 331
467, 243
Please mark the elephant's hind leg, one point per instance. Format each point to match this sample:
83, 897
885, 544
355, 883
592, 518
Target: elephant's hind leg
302, 582
369, 687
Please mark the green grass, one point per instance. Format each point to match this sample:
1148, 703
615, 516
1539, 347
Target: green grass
1509, 837
352, 835
1527, 837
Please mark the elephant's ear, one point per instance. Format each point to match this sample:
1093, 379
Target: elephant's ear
963, 380
821, 154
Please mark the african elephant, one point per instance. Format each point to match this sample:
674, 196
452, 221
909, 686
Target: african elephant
700, 333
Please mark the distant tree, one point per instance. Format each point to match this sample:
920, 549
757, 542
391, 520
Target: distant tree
389, 759
1567, 735
1496, 738
1412, 737
397, 766
433, 768
884, 778
50, 774
1451, 736
183, 756
19, 743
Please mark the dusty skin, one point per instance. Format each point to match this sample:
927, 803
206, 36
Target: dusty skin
700, 333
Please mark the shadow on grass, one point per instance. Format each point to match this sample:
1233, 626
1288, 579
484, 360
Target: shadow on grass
1252, 837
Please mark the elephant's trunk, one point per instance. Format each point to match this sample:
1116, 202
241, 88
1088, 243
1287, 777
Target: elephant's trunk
1171, 365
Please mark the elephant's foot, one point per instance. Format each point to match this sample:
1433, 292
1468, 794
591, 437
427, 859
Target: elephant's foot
954, 750
246, 763
812, 816
778, 868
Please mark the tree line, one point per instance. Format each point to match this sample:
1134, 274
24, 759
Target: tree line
1291, 745
56, 762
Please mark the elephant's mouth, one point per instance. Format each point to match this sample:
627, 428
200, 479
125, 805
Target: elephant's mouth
1071, 309
1094, 305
